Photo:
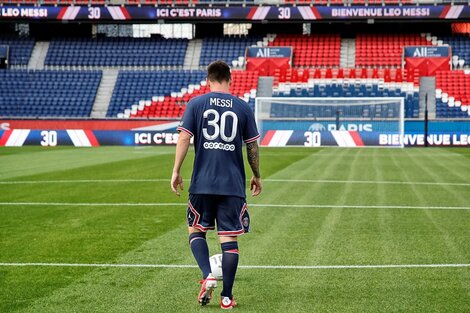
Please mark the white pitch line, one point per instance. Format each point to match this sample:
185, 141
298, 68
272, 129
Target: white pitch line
381, 182
80, 181
151, 180
312, 206
294, 267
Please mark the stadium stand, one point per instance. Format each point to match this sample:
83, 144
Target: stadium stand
225, 48
379, 50
460, 48
133, 86
314, 50
117, 52
47, 93
382, 111
20, 49
163, 93
452, 98
171, 100
348, 83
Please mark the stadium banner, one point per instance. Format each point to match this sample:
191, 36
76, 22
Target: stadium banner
266, 60
90, 133
268, 52
427, 59
281, 133
254, 13
427, 51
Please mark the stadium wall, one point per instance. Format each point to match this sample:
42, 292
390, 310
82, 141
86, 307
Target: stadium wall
91, 133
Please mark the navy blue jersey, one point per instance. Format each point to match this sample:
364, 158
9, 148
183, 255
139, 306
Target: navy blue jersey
219, 123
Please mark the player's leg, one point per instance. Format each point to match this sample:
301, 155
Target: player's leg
230, 258
200, 250
200, 219
232, 221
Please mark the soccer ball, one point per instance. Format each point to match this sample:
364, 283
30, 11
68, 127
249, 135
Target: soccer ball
216, 265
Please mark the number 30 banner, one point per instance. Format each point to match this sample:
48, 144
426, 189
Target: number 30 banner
256, 13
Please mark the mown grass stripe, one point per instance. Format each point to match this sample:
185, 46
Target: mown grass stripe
294, 267
280, 180
313, 206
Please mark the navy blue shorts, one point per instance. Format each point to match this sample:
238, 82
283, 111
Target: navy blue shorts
229, 212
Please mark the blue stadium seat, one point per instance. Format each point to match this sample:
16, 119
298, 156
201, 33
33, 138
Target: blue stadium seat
351, 90
20, 49
443, 110
225, 48
117, 52
47, 93
460, 46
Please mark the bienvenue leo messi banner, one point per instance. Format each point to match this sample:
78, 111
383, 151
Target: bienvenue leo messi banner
256, 13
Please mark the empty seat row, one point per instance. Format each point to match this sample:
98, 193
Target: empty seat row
369, 89
226, 48
460, 46
312, 50
244, 85
20, 49
385, 49
386, 111
452, 98
117, 52
133, 86
45, 93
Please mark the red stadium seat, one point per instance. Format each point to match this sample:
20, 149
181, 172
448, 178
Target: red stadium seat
314, 50
384, 50
455, 84
243, 82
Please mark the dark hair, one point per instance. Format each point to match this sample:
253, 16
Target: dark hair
219, 71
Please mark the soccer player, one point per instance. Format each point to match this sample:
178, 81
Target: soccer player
219, 123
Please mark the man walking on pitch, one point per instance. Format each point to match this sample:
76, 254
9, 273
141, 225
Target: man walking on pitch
219, 123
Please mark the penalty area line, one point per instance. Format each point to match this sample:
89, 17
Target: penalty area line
293, 267
305, 206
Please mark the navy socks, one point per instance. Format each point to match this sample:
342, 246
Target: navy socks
198, 244
200, 250
229, 266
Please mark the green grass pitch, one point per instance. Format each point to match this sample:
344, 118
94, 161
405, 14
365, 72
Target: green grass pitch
319, 207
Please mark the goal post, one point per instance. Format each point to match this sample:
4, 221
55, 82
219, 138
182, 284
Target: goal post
343, 122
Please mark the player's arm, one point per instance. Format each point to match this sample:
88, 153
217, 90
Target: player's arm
182, 147
252, 150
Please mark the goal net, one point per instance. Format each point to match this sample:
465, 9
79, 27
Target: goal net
343, 122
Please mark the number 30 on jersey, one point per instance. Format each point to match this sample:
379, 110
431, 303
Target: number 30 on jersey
213, 118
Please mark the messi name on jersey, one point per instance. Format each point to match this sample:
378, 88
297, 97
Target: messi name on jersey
224, 103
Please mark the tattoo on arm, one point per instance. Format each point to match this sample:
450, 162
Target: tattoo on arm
253, 157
